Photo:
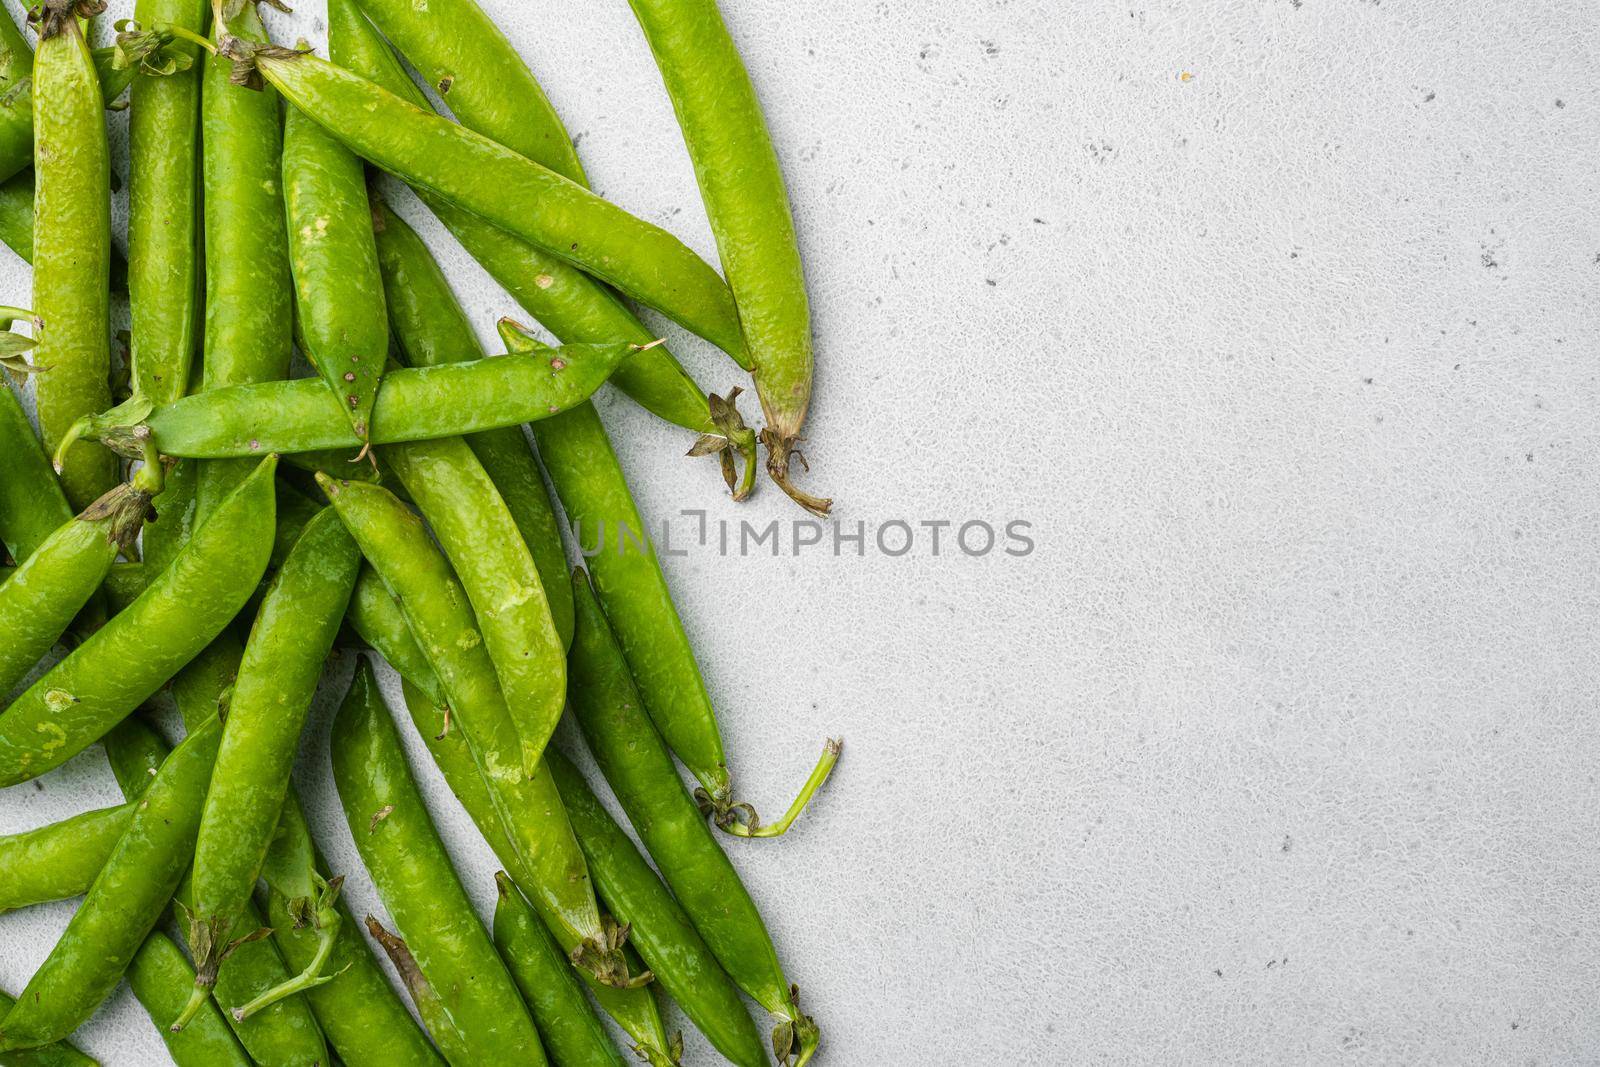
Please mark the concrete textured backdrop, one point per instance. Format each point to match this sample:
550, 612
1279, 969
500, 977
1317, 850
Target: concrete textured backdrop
1276, 319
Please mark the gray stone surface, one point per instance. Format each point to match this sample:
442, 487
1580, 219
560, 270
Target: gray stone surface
1276, 320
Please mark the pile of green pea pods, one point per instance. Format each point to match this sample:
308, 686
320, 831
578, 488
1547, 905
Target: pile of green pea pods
204, 529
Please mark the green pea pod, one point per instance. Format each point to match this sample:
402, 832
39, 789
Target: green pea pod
58, 861
277, 677
431, 328
415, 404
514, 193
59, 1054
635, 1010
16, 95
365, 1022
249, 302
636, 762
436, 608
411, 870
164, 210
461, 53
122, 905
38, 602
665, 937
338, 292
32, 504
377, 619
475, 528
285, 1033
128, 659
462, 50
159, 977
741, 184
549, 985
633, 589
16, 115
71, 248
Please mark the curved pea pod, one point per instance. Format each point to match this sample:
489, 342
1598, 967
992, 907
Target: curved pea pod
39, 601
249, 294
633, 590
412, 872
437, 611
338, 292
475, 528
430, 327
636, 762
415, 404
663, 934
509, 190
16, 115
462, 49
741, 184
127, 660
59, 1054
549, 985
60, 860
122, 905
277, 677
71, 248
636, 1009
160, 977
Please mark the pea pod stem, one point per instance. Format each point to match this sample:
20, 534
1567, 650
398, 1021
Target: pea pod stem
327, 920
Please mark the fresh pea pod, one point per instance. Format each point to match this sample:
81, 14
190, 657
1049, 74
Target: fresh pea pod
636, 762
128, 659
430, 328
411, 869
16, 115
569, 1026
436, 608
665, 937
59, 861
16, 224
338, 292
249, 302
462, 50
59, 1054
38, 602
285, 1033
32, 503
159, 976
72, 245
415, 404
378, 620
163, 206
277, 677
741, 184
363, 1018
16, 95
122, 905
635, 1010
606, 523
475, 528
509, 190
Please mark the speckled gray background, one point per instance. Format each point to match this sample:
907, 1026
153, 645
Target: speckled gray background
1277, 320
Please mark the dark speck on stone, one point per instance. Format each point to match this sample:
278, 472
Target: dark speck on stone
1559, 103
990, 282
1428, 98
